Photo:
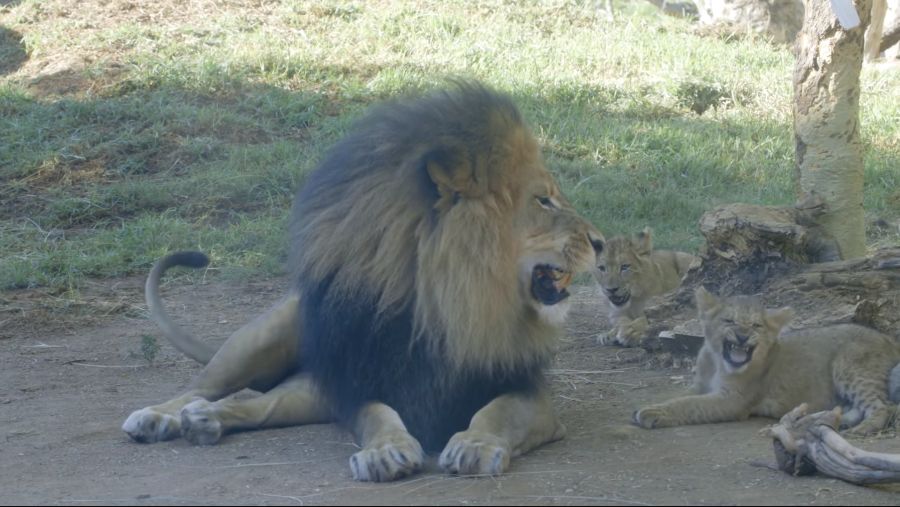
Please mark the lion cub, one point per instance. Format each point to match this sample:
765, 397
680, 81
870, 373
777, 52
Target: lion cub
746, 367
630, 272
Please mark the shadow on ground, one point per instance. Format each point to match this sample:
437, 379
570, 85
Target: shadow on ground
12, 51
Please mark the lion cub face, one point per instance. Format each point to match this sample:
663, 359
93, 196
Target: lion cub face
621, 265
740, 330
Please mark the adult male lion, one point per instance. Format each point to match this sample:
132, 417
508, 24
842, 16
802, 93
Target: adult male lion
431, 251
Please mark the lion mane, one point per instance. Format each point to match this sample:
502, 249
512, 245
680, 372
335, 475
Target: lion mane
407, 297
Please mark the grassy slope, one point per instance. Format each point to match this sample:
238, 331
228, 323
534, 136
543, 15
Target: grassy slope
128, 129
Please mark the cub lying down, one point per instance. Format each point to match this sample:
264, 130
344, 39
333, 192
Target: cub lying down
630, 272
747, 368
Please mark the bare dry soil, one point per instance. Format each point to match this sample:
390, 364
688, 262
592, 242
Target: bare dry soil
66, 388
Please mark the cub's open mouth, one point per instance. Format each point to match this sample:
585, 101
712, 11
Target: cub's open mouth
737, 355
618, 299
548, 284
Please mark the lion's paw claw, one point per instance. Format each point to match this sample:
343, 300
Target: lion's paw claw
199, 424
475, 453
651, 418
147, 426
388, 458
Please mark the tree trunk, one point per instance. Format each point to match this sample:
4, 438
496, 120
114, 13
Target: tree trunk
826, 121
876, 29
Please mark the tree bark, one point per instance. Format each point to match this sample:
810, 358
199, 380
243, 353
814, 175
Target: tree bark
876, 29
826, 121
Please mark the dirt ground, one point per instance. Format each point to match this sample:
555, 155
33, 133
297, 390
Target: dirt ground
65, 391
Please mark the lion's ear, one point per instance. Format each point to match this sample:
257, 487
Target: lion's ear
645, 241
707, 303
451, 173
777, 319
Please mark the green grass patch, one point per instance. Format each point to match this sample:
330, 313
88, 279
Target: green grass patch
126, 133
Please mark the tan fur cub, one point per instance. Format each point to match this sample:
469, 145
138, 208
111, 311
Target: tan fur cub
630, 272
746, 367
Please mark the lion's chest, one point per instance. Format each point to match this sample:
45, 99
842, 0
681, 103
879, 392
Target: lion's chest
357, 357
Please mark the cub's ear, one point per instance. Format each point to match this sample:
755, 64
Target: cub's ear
645, 241
452, 172
707, 303
777, 319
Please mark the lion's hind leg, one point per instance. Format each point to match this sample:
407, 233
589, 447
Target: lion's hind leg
258, 356
294, 402
861, 378
157, 423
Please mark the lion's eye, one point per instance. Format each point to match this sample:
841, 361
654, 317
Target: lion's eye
730, 322
602, 269
757, 325
626, 267
546, 202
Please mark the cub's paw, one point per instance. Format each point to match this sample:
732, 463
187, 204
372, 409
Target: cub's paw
622, 336
607, 338
475, 453
652, 417
147, 426
199, 424
388, 458
632, 332
628, 341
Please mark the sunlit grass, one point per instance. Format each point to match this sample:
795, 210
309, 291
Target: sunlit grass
163, 125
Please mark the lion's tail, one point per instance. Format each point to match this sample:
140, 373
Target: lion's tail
187, 344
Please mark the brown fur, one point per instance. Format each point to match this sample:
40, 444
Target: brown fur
449, 217
630, 267
823, 367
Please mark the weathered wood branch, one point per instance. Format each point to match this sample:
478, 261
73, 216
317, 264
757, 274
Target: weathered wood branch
805, 444
890, 36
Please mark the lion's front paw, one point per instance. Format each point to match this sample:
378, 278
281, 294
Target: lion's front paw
652, 417
387, 458
624, 335
148, 426
475, 453
607, 338
199, 424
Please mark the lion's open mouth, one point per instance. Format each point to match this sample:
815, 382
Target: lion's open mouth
548, 284
618, 299
737, 355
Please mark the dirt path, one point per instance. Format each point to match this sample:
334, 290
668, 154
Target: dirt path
64, 394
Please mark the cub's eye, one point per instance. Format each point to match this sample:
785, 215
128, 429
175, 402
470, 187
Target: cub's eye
626, 267
602, 269
730, 322
546, 202
757, 325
